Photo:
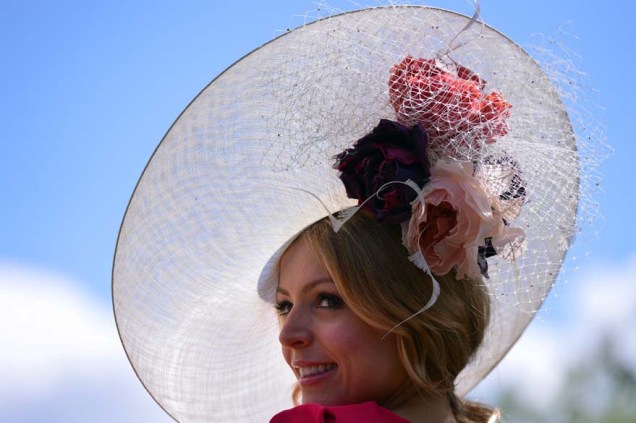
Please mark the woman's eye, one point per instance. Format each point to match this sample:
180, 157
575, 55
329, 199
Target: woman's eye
283, 307
329, 301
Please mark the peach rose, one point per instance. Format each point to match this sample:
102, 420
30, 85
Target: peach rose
451, 219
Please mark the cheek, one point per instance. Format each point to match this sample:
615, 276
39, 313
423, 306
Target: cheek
365, 348
351, 340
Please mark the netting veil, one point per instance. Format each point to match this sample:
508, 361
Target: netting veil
227, 187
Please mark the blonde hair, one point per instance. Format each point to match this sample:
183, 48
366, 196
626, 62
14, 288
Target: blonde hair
372, 272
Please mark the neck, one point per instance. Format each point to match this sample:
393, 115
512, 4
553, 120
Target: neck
418, 407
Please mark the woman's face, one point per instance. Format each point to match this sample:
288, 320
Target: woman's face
336, 357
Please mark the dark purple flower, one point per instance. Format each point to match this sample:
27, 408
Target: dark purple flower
391, 152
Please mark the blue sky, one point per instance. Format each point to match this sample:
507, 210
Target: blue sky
88, 90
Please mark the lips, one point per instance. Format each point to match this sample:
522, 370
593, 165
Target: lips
307, 371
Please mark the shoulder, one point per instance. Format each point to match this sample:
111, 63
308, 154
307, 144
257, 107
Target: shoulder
368, 412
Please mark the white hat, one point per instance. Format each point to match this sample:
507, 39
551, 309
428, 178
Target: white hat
229, 183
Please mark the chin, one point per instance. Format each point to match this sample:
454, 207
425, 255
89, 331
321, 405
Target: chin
324, 399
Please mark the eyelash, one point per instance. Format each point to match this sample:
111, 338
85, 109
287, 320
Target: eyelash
283, 307
333, 302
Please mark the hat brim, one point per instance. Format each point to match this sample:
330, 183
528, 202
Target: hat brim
227, 187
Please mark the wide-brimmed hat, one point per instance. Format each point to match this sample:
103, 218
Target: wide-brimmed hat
249, 164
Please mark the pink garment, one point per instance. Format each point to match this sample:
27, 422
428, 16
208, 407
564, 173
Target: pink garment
368, 412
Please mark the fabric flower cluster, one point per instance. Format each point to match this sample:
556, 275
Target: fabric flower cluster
454, 214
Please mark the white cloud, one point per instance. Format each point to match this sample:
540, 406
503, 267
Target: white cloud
60, 356
598, 304
608, 306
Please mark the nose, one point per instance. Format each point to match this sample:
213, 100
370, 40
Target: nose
296, 329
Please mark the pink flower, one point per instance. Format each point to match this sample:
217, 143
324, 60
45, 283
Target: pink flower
451, 219
449, 102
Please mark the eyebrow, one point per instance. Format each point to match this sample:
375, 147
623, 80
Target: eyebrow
308, 287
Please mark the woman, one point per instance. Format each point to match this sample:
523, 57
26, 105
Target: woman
458, 206
340, 297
